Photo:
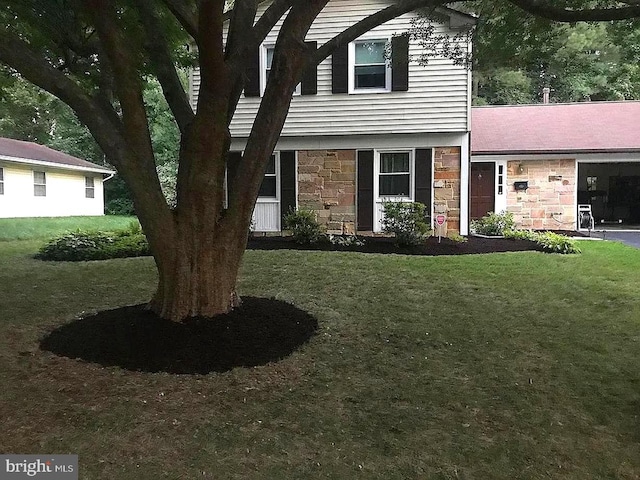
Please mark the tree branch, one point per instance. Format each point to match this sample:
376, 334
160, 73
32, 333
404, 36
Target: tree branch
399, 8
19, 55
186, 13
546, 10
159, 53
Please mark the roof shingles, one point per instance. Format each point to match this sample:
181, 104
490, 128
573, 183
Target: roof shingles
18, 149
556, 128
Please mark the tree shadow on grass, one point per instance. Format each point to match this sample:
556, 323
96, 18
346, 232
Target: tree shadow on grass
260, 331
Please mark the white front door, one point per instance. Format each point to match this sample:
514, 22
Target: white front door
393, 181
266, 214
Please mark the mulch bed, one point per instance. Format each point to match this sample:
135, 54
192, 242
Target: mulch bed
386, 245
260, 331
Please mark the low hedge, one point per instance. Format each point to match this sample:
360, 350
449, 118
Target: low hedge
80, 246
549, 241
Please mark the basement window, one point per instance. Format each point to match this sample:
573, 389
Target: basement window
39, 184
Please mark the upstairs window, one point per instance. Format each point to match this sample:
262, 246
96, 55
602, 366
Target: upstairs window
268, 188
369, 69
1, 181
39, 184
89, 187
394, 178
267, 62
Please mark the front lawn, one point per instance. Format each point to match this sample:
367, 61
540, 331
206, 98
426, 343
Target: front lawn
501, 366
43, 228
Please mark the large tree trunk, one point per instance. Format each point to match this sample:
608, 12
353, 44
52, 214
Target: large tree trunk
197, 277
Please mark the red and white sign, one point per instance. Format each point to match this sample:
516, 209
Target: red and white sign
440, 219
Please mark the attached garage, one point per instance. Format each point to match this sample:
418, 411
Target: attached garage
544, 161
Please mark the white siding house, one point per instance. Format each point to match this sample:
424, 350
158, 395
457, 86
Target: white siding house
357, 124
36, 181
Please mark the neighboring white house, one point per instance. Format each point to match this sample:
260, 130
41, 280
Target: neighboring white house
37, 181
363, 127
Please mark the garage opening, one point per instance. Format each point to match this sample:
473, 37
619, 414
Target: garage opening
613, 191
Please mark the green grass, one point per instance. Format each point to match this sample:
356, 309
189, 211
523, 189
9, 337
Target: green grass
46, 227
503, 366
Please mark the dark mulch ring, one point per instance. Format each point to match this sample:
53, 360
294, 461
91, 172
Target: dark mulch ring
260, 331
431, 246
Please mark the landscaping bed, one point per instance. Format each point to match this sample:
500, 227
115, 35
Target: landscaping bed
431, 245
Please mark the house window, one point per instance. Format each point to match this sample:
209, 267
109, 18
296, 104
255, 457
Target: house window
1, 181
267, 62
368, 66
39, 184
89, 187
269, 189
394, 178
500, 179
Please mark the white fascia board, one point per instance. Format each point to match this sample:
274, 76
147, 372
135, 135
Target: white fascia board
60, 166
365, 142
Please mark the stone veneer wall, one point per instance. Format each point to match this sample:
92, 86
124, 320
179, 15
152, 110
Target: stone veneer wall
549, 202
327, 185
446, 186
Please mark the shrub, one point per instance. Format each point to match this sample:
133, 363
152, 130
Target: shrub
406, 221
549, 241
345, 240
456, 237
78, 246
303, 226
493, 224
119, 206
554, 243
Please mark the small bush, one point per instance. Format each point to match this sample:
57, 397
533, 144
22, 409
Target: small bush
549, 241
456, 237
345, 240
79, 246
119, 206
493, 224
303, 226
554, 243
406, 221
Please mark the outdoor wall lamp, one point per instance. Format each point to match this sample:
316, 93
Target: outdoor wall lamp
521, 168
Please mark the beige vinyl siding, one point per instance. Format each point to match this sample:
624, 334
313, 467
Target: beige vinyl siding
437, 100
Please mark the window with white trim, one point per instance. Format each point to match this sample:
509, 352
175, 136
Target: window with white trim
369, 70
267, 61
89, 187
500, 179
269, 187
39, 184
394, 177
1, 181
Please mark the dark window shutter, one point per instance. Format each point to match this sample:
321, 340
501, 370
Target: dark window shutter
233, 161
423, 177
340, 70
365, 190
310, 75
287, 183
252, 83
400, 63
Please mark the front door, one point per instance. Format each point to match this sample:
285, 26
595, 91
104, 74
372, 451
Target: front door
483, 193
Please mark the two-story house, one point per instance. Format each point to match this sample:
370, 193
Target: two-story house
366, 126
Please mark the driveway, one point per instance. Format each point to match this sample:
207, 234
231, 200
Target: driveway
628, 238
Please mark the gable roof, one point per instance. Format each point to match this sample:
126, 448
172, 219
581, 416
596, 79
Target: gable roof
17, 151
588, 127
